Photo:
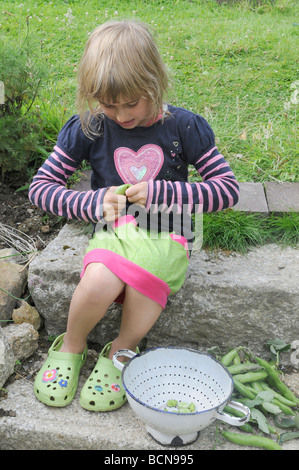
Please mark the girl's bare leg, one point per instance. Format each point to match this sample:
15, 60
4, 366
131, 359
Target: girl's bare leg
96, 291
139, 314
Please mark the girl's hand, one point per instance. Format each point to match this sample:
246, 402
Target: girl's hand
137, 193
113, 204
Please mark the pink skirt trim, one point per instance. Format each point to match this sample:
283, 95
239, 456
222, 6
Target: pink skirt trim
182, 240
130, 273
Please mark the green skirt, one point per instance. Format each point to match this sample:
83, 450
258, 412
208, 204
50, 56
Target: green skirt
154, 263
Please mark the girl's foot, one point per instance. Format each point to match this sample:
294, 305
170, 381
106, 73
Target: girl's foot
103, 390
57, 381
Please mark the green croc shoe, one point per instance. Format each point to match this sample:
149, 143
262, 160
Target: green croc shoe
103, 390
57, 381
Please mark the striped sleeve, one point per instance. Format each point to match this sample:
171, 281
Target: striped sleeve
217, 191
48, 189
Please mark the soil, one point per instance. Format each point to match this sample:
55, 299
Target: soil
18, 212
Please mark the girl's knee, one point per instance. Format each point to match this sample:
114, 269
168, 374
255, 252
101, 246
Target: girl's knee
99, 282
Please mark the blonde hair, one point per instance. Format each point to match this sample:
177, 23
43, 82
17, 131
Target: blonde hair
120, 61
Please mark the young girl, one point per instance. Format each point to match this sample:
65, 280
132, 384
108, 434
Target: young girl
139, 253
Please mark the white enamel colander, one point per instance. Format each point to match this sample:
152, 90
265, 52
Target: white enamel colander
157, 375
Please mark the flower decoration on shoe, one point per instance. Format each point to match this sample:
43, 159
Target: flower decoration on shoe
63, 383
49, 375
115, 387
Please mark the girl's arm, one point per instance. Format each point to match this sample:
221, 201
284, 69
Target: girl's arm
48, 188
218, 190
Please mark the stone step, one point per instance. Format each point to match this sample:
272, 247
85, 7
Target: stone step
252, 198
268, 197
282, 197
27, 424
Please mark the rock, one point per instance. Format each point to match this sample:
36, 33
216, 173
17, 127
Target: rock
23, 340
13, 278
54, 274
227, 300
7, 359
10, 255
26, 313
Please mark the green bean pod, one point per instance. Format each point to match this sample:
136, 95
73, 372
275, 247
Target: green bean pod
279, 397
284, 408
251, 440
236, 359
272, 429
281, 386
122, 189
232, 411
257, 386
228, 357
251, 376
246, 367
246, 427
243, 390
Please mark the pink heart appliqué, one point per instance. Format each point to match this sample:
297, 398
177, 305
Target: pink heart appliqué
142, 165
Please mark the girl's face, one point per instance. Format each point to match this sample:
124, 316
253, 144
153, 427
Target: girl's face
129, 113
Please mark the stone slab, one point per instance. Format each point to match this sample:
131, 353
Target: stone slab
282, 197
252, 198
27, 424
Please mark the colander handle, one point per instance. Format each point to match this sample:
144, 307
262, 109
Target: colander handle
235, 421
122, 352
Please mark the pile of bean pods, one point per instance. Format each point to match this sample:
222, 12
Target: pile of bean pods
258, 385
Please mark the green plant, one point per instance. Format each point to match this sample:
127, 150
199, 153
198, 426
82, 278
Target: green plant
285, 229
234, 230
19, 137
281, 386
238, 231
22, 77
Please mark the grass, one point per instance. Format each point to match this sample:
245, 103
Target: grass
237, 231
237, 65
